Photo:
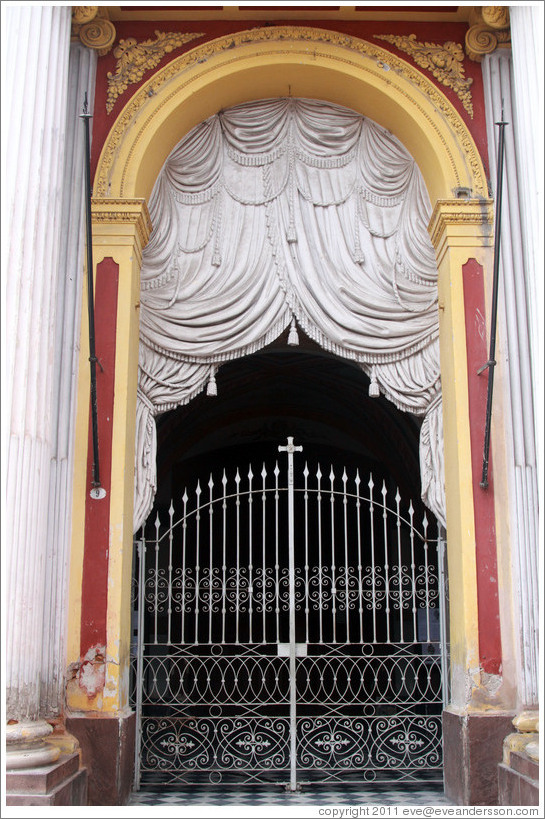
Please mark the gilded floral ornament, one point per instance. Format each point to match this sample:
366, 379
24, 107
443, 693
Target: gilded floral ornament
489, 28
444, 61
134, 59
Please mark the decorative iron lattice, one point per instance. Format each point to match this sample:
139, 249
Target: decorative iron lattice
290, 629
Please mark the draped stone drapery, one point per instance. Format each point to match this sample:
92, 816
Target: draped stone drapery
282, 211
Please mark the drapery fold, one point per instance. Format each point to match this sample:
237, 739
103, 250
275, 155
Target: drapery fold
283, 209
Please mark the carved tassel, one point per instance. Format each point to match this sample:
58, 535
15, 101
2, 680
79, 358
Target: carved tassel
212, 388
374, 391
293, 338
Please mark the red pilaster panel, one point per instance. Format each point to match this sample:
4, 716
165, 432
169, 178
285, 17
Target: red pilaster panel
94, 601
485, 528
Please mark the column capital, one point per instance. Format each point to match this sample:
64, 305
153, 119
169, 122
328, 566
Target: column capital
91, 25
121, 222
461, 223
489, 29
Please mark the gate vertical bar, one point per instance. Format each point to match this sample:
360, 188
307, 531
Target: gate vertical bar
290, 449
357, 481
140, 655
237, 576
211, 550
276, 563
333, 566
263, 555
320, 568
197, 558
386, 561
170, 536
426, 575
373, 568
346, 578
250, 550
399, 566
156, 605
184, 545
413, 567
307, 590
443, 614
224, 557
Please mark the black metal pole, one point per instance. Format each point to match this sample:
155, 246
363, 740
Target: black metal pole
90, 295
491, 363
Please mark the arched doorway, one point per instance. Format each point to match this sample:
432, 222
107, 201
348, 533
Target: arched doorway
271, 63
214, 692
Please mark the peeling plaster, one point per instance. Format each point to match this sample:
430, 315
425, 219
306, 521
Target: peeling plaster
89, 672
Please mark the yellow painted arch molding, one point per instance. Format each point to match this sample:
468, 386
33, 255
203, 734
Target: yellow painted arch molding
288, 61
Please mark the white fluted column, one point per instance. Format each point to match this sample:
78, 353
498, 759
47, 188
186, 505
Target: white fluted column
516, 288
36, 85
526, 24
82, 72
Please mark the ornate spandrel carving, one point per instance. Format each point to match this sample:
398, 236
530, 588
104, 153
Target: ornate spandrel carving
134, 59
446, 63
291, 36
90, 25
489, 29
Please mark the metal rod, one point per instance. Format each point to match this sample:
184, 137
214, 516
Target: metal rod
491, 363
386, 561
346, 574
333, 566
85, 116
263, 555
357, 481
211, 564
250, 556
320, 567
140, 654
184, 552
290, 449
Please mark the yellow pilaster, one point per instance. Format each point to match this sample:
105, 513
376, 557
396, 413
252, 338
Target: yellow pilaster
460, 229
121, 229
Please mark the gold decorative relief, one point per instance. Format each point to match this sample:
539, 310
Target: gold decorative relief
489, 29
496, 16
83, 14
444, 61
134, 59
355, 49
90, 25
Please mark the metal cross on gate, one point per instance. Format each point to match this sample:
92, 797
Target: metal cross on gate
290, 449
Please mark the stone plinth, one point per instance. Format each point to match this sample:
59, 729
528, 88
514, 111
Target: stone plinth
518, 782
61, 783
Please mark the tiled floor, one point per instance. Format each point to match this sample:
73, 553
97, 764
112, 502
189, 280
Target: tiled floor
344, 795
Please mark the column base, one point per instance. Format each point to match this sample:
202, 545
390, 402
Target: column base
61, 783
26, 745
107, 743
473, 749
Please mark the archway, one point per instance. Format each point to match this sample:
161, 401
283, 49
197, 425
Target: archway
318, 64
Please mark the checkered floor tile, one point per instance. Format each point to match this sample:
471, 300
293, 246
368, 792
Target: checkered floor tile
347, 795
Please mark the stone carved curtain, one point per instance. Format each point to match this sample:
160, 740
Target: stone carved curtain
282, 211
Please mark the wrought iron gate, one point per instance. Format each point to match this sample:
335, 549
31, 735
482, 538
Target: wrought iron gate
290, 630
